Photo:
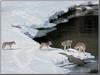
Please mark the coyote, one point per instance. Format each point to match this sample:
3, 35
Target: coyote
46, 44
4, 44
80, 46
67, 44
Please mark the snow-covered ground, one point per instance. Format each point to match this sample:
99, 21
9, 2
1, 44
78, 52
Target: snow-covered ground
81, 55
35, 14
26, 57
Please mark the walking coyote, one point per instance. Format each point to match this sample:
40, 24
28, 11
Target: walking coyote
4, 44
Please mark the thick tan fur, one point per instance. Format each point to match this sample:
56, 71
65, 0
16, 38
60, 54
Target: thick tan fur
80, 46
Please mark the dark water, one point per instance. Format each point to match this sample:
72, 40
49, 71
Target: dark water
84, 29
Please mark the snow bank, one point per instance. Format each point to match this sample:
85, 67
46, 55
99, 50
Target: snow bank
51, 54
26, 63
81, 55
25, 57
22, 58
13, 35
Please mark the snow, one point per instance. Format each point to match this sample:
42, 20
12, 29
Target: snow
79, 8
35, 12
90, 2
25, 57
65, 10
44, 32
31, 32
81, 55
89, 8
22, 58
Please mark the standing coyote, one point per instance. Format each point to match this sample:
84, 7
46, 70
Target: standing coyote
46, 44
80, 46
67, 44
4, 44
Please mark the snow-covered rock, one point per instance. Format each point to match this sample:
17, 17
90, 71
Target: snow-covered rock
78, 54
77, 10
